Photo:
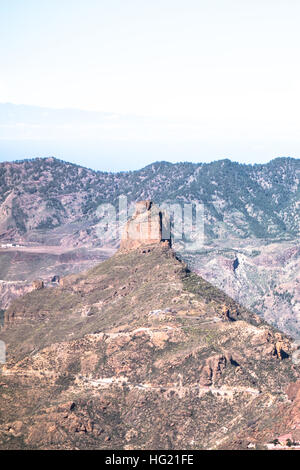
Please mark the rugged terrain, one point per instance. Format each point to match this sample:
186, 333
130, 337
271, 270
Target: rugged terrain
263, 276
21, 266
242, 201
49, 207
139, 352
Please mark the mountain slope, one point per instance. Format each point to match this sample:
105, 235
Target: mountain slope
138, 353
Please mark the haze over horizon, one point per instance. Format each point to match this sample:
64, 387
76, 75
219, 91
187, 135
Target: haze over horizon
156, 81
108, 141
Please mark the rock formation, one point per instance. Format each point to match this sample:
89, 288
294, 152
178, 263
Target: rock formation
148, 226
38, 285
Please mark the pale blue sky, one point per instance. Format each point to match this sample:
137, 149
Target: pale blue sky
195, 80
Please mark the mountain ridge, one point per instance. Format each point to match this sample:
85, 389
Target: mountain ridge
154, 163
186, 182
250, 211
140, 353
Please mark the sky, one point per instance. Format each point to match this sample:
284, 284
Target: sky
192, 80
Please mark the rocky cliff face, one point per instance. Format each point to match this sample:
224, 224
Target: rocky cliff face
145, 227
11, 290
139, 352
266, 279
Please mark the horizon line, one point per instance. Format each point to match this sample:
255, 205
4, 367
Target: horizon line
157, 162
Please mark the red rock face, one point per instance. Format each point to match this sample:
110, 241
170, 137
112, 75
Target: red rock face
144, 228
38, 285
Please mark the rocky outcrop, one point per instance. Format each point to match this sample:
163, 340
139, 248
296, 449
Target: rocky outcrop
227, 314
148, 226
38, 285
272, 344
280, 350
212, 370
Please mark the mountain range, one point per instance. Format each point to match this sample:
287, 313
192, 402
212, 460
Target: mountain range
252, 221
139, 352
